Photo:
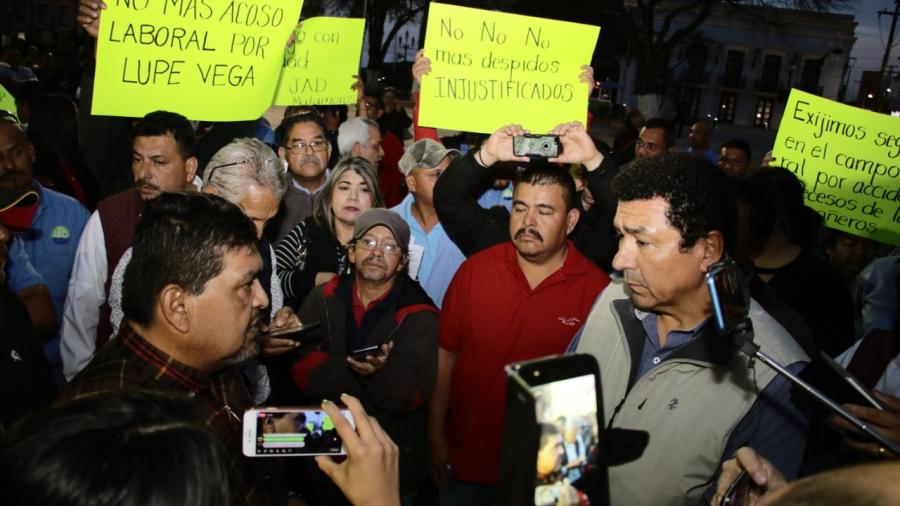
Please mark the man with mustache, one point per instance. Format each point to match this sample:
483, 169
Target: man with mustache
163, 160
664, 367
192, 302
303, 144
521, 299
379, 306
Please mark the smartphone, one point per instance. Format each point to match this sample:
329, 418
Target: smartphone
291, 432
369, 351
837, 383
536, 146
730, 295
738, 491
293, 333
567, 457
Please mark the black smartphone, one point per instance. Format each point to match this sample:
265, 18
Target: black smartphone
837, 383
729, 294
369, 351
536, 146
293, 333
564, 460
738, 491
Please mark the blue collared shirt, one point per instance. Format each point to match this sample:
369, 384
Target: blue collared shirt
56, 230
493, 197
441, 257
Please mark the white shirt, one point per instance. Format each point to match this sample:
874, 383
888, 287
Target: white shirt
85, 296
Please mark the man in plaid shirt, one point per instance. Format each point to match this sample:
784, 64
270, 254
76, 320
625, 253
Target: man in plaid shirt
193, 305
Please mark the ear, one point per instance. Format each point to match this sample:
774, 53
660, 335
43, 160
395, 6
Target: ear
713, 249
357, 149
282, 153
351, 254
402, 264
31, 153
173, 304
571, 220
190, 166
210, 189
410, 183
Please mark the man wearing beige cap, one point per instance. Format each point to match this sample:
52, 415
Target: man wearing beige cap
433, 257
377, 308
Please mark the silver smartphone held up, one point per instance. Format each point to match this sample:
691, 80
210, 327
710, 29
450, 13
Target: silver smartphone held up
291, 432
536, 146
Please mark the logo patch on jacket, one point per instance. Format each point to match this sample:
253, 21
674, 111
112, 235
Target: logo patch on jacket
60, 234
571, 321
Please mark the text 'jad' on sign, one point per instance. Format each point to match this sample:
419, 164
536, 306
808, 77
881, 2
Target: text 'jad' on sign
490, 69
206, 59
849, 162
320, 65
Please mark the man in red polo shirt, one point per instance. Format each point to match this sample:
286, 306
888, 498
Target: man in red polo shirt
517, 300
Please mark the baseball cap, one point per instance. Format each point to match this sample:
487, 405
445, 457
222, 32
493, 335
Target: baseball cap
386, 218
424, 153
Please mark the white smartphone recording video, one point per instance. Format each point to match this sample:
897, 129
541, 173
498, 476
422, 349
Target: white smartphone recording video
291, 432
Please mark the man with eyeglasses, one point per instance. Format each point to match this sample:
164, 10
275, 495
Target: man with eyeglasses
163, 160
303, 144
380, 309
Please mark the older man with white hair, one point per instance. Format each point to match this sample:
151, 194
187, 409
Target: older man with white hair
250, 175
360, 137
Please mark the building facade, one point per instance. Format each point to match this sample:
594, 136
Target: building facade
743, 63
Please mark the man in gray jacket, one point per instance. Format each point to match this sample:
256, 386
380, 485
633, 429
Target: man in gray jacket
664, 367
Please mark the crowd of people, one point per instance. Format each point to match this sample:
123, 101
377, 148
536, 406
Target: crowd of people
141, 321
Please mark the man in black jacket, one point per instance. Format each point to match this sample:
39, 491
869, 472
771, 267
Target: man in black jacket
473, 228
376, 306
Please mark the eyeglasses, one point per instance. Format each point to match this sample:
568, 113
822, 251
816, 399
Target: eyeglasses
268, 164
300, 146
388, 248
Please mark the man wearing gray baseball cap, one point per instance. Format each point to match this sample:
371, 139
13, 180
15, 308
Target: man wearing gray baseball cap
377, 340
433, 256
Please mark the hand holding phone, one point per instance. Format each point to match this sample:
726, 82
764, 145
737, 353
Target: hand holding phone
369, 360
761, 478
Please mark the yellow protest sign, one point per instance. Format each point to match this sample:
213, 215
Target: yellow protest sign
489, 69
208, 60
7, 101
849, 162
319, 67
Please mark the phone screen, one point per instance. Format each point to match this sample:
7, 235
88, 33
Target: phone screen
566, 412
295, 432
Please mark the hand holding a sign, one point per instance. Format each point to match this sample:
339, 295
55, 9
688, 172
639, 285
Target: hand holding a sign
577, 146
587, 76
499, 147
89, 16
421, 67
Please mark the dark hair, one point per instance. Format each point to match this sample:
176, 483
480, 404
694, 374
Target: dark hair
128, 448
284, 129
181, 240
740, 144
541, 173
666, 126
698, 194
780, 195
53, 131
159, 123
548, 430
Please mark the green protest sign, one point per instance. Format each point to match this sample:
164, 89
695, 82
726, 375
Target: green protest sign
7, 101
208, 60
849, 162
320, 65
490, 69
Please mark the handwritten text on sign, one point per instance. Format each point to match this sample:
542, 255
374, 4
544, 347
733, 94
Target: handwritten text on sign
490, 69
319, 67
206, 59
849, 162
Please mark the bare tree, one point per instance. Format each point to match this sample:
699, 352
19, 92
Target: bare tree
377, 14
